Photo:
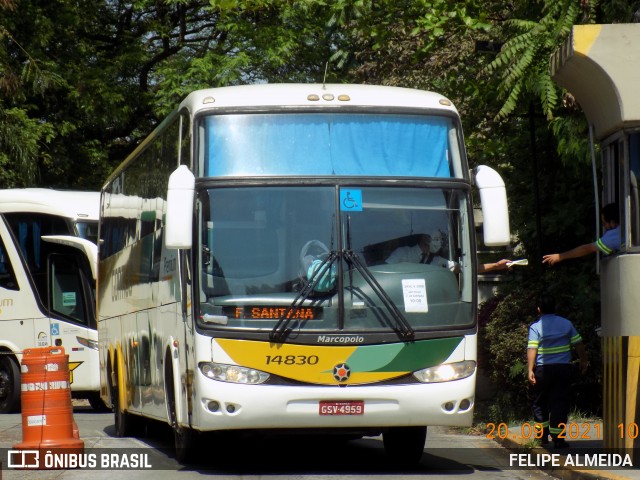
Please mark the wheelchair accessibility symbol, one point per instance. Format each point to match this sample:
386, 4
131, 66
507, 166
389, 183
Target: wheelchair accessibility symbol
351, 200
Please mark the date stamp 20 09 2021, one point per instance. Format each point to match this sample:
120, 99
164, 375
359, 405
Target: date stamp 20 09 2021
571, 431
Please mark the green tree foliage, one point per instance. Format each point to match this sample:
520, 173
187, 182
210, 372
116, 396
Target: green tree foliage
523, 63
416, 44
92, 78
59, 78
20, 135
255, 41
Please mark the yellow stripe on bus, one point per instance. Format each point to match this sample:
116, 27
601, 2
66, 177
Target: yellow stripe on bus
304, 363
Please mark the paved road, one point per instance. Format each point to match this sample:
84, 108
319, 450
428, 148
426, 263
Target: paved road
447, 454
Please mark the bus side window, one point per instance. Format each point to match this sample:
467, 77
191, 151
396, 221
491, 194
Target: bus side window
7, 277
29, 228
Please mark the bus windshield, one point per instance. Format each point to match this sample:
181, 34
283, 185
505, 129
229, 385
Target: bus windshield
371, 144
87, 229
329, 258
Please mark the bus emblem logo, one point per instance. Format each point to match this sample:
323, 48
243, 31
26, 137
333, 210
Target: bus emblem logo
341, 372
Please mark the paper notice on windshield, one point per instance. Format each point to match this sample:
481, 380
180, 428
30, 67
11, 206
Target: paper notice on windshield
414, 292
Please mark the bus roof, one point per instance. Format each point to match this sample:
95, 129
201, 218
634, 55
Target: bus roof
75, 205
310, 95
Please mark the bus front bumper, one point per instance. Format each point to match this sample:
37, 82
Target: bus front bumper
227, 406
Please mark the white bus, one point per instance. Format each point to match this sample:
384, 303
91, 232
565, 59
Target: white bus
244, 281
48, 259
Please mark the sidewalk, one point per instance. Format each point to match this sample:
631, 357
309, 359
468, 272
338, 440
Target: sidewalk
573, 463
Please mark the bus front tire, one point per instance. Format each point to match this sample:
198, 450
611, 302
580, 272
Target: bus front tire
404, 445
9, 384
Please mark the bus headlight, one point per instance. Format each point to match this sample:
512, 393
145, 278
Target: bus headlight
233, 373
446, 372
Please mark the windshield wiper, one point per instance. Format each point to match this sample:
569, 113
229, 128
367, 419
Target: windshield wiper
281, 328
404, 328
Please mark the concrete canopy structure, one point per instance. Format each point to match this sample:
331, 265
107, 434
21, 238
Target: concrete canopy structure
600, 66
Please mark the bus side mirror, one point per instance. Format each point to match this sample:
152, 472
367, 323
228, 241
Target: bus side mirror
495, 210
179, 220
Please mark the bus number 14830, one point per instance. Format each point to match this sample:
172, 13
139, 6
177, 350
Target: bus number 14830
292, 359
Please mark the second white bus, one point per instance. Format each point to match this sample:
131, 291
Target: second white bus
48, 258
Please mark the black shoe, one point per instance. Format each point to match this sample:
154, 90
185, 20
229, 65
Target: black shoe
544, 440
560, 443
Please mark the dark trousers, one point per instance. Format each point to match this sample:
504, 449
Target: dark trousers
551, 396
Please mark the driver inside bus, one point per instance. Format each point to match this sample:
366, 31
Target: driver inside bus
426, 251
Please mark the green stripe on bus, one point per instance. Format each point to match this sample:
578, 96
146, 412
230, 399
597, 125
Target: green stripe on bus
403, 357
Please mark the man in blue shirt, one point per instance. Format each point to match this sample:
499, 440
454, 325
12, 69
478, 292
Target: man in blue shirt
607, 244
549, 360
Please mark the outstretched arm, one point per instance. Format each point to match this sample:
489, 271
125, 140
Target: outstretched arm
499, 265
577, 252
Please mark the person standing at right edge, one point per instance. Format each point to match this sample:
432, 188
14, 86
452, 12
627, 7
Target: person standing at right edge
549, 363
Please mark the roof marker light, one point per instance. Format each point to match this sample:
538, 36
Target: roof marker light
344, 98
206, 100
313, 97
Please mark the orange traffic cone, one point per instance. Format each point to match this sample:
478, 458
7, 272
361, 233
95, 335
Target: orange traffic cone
47, 412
